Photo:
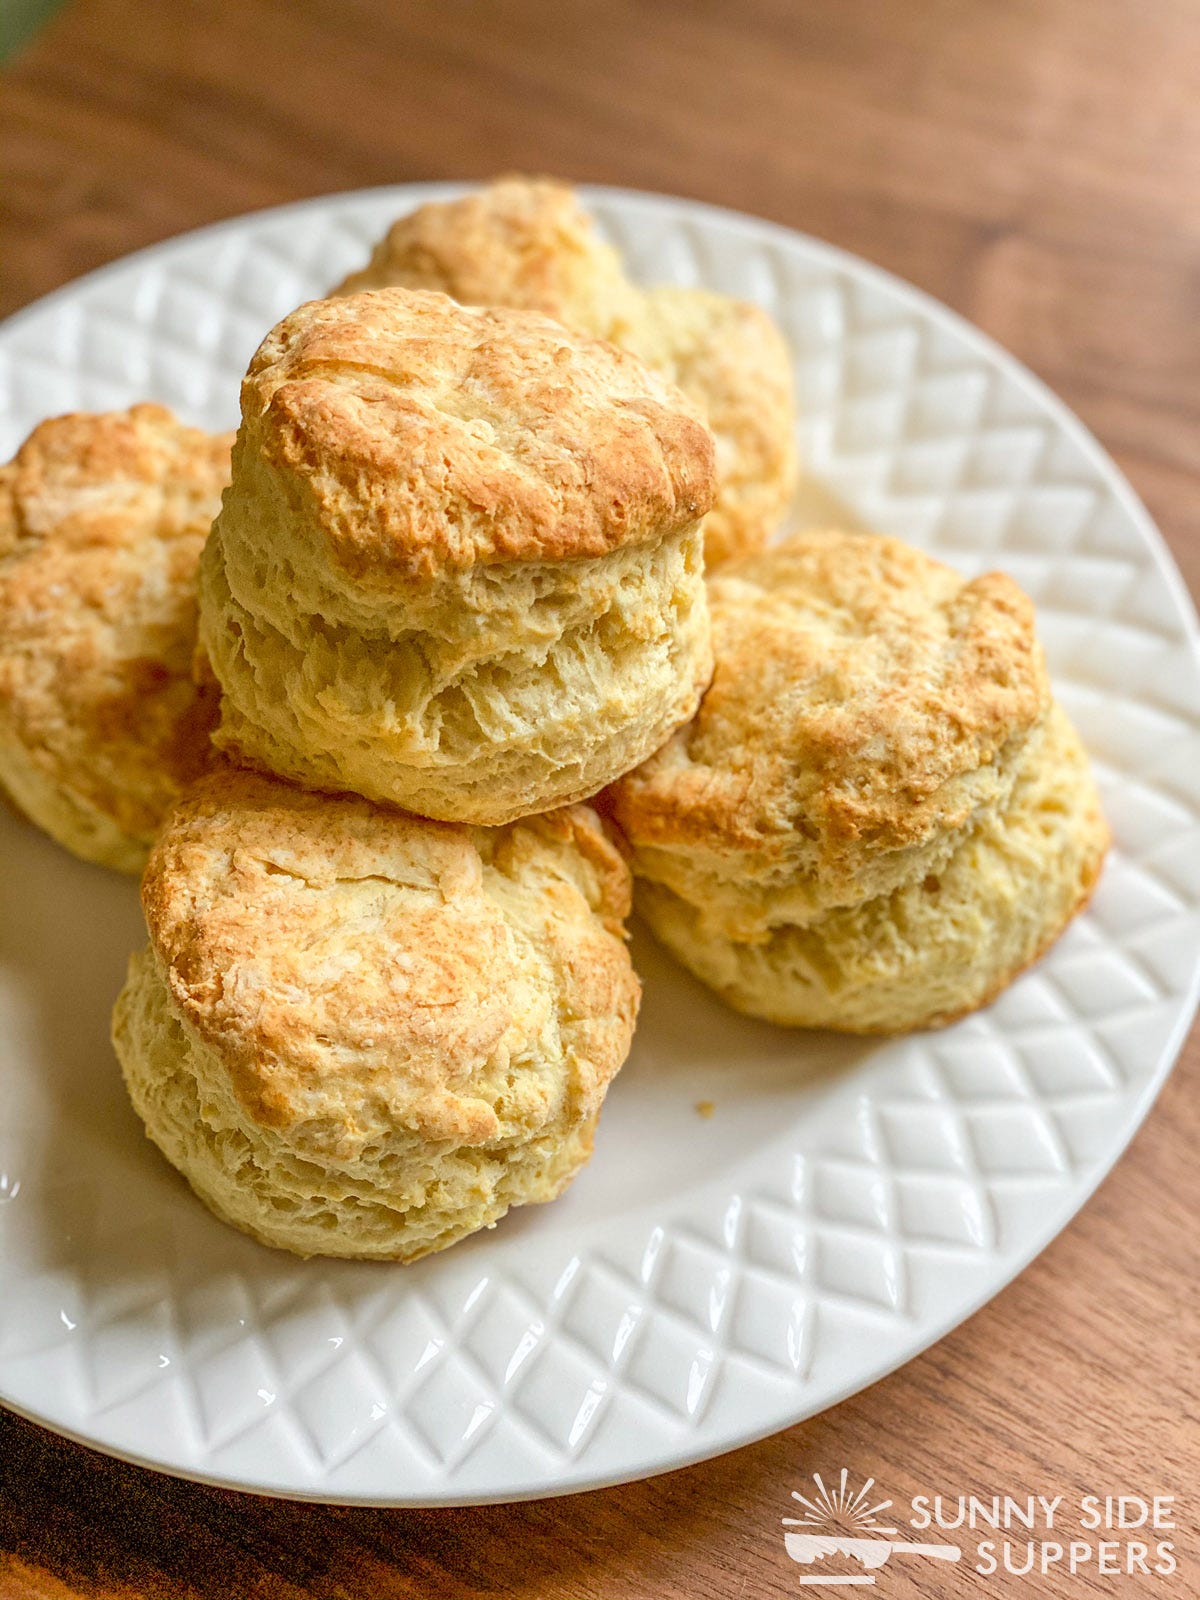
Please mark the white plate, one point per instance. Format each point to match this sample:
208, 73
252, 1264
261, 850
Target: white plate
705, 1281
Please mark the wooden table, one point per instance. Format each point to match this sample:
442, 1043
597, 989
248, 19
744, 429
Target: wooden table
1036, 163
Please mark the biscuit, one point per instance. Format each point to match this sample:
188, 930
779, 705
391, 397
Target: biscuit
942, 944
102, 520
874, 725
360, 1033
459, 567
529, 243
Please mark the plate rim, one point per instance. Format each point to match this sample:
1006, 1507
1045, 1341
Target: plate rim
820, 252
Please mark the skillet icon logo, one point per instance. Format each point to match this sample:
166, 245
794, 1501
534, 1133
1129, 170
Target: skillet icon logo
841, 1532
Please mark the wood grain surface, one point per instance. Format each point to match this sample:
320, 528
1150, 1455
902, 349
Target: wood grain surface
1035, 163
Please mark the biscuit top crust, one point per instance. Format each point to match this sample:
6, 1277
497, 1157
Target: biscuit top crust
523, 242
102, 520
353, 965
416, 435
856, 679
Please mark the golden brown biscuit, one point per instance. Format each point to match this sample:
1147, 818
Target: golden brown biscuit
520, 242
102, 519
360, 1033
459, 567
875, 724
528, 243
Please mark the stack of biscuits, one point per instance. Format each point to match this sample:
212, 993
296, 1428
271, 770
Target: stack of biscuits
496, 538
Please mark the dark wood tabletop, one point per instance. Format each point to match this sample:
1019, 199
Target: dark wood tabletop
1034, 163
